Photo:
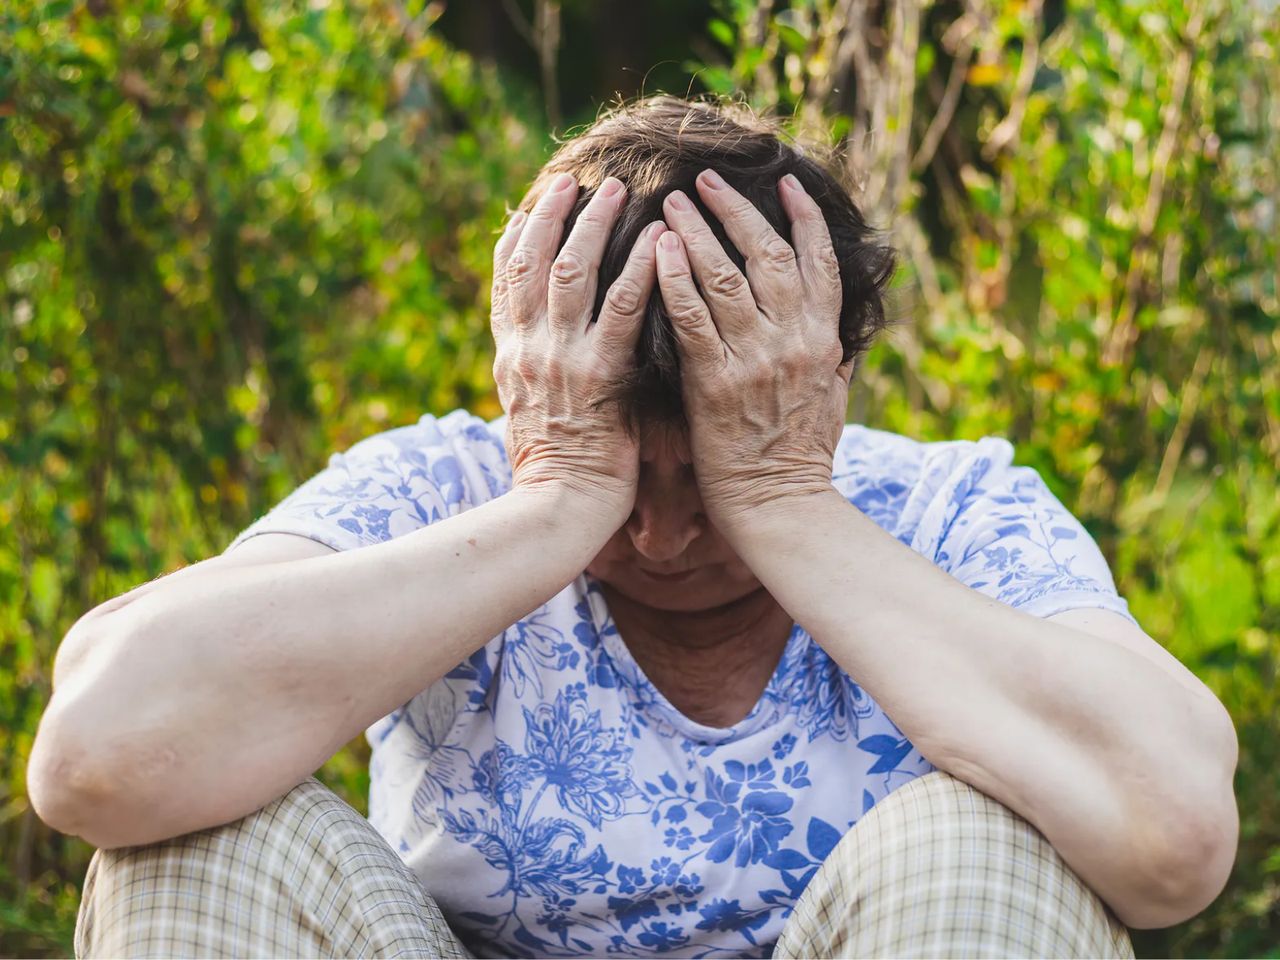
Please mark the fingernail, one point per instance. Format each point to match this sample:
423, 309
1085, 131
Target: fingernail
679, 201
517, 218
669, 241
654, 229
791, 183
611, 187
712, 180
562, 182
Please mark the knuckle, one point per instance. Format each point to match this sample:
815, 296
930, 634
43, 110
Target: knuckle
833, 355
726, 282
526, 366
502, 377
592, 219
827, 263
568, 270
761, 374
516, 363
778, 252
545, 210
520, 267
595, 371
502, 367
685, 309
792, 363
624, 298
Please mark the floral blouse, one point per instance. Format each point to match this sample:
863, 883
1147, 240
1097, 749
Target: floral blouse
551, 799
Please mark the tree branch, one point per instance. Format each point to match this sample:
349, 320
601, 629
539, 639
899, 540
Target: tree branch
1124, 332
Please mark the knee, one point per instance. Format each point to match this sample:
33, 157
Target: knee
938, 831
174, 897
939, 867
297, 823
941, 819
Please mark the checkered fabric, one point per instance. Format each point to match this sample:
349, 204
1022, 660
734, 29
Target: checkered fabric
306, 876
939, 869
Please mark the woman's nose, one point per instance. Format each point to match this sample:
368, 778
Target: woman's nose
660, 530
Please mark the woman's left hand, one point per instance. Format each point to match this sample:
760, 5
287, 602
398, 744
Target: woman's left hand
764, 388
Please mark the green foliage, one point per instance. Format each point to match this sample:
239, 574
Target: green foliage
236, 237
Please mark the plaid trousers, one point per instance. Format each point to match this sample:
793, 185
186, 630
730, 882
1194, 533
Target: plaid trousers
936, 869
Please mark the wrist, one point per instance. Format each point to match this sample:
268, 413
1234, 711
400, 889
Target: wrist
598, 513
784, 507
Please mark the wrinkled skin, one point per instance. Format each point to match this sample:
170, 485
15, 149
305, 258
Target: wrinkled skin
764, 388
551, 361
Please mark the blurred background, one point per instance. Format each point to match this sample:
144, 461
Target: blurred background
237, 236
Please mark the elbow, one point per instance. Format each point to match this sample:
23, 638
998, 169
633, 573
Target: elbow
68, 790
1187, 885
1182, 883
65, 782
80, 785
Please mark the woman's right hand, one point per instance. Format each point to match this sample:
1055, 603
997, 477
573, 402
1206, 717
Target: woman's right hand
551, 361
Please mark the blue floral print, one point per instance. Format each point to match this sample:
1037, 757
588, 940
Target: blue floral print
556, 804
586, 765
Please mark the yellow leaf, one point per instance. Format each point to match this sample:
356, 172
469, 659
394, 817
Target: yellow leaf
93, 47
985, 74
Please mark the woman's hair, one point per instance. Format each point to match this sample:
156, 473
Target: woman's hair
660, 144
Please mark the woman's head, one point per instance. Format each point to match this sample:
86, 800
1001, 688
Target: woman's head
661, 144
655, 146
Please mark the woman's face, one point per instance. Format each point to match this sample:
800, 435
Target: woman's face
668, 533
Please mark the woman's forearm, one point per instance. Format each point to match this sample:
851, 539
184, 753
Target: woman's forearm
1122, 761
203, 699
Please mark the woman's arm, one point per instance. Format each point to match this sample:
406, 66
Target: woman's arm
1099, 738
200, 697
195, 700
1084, 725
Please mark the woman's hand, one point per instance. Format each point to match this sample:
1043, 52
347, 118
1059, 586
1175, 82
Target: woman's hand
552, 361
765, 391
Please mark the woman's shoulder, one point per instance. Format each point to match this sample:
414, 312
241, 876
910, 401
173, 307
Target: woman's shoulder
458, 431
457, 449
860, 444
394, 482
898, 480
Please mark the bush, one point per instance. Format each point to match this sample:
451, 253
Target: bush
236, 237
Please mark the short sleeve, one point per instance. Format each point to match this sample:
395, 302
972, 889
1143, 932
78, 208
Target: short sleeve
393, 483
386, 486
1012, 539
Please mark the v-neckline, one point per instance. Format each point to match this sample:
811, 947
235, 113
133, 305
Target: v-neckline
655, 704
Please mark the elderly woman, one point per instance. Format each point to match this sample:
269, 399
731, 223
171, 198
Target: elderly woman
668, 660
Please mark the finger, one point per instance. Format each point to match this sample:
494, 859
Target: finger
529, 262
771, 262
815, 253
724, 288
499, 318
618, 325
574, 274
696, 335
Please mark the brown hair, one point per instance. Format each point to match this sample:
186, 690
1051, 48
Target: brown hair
660, 144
